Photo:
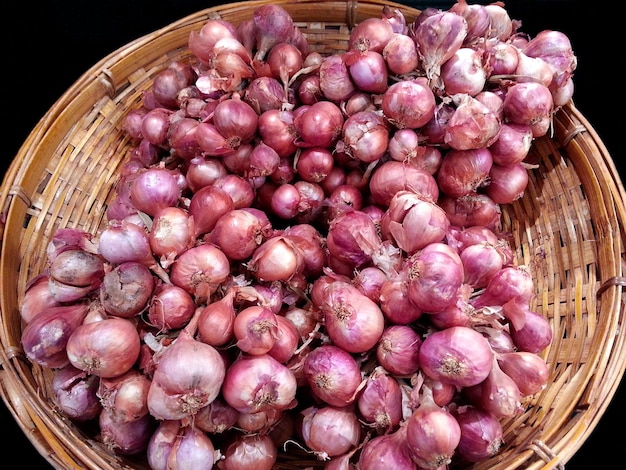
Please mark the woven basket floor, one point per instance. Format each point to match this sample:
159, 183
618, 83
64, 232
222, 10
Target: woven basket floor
569, 228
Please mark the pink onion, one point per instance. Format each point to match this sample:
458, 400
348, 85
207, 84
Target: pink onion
329, 431
481, 433
188, 376
259, 383
200, 270
354, 322
457, 355
333, 375
127, 289
398, 350
408, 103
75, 393
380, 401
106, 348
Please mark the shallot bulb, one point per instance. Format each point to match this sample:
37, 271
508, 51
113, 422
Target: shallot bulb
259, 383
329, 431
333, 375
354, 322
438, 37
458, 355
127, 289
75, 393
45, 337
106, 348
380, 401
432, 433
188, 376
408, 104
387, 451
481, 433
176, 446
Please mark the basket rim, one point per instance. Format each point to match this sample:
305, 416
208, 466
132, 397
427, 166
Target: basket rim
100, 80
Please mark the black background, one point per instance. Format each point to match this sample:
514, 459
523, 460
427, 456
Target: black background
48, 45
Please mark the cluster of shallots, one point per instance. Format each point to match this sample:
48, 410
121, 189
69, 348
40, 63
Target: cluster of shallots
304, 251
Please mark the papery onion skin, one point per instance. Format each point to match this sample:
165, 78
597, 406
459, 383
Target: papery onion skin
126, 289
249, 452
75, 393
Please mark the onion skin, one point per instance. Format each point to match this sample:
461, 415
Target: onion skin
481, 433
330, 431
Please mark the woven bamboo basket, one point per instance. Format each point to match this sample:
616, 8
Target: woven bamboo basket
569, 228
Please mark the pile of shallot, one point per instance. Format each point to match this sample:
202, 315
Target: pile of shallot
304, 253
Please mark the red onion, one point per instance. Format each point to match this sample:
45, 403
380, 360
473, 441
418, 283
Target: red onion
201, 42
126, 289
533, 69
507, 183
276, 259
272, 25
265, 93
380, 401
153, 189
528, 370
510, 283
77, 267
464, 72
203, 172
392, 176
481, 261
371, 34
37, 297
155, 125
255, 330
472, 125
188, 376
217, 417
249, 452
435, 274
125, 438
477, 19
554, 48
239, 232
170, 307
512, 145
173, 231
124, 397
481, 433
333, 375
335, 81
527, 103
458, 355
329, 431
534, 335
75, 393
395, 301
500, 24
216, 321
368, 70
432, 433
353, 321
398, 350
206, 206
176, 446
400, 54
438, 37
105, 348
498, 393
352, 237
413, 222
236, 120
365, 136
472, 209
319, 125
386, 451
277, 130
259, 383
369, 281
408, 103
287, 340
200, 270
238, 188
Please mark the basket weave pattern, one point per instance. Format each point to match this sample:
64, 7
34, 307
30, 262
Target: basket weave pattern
568, 228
